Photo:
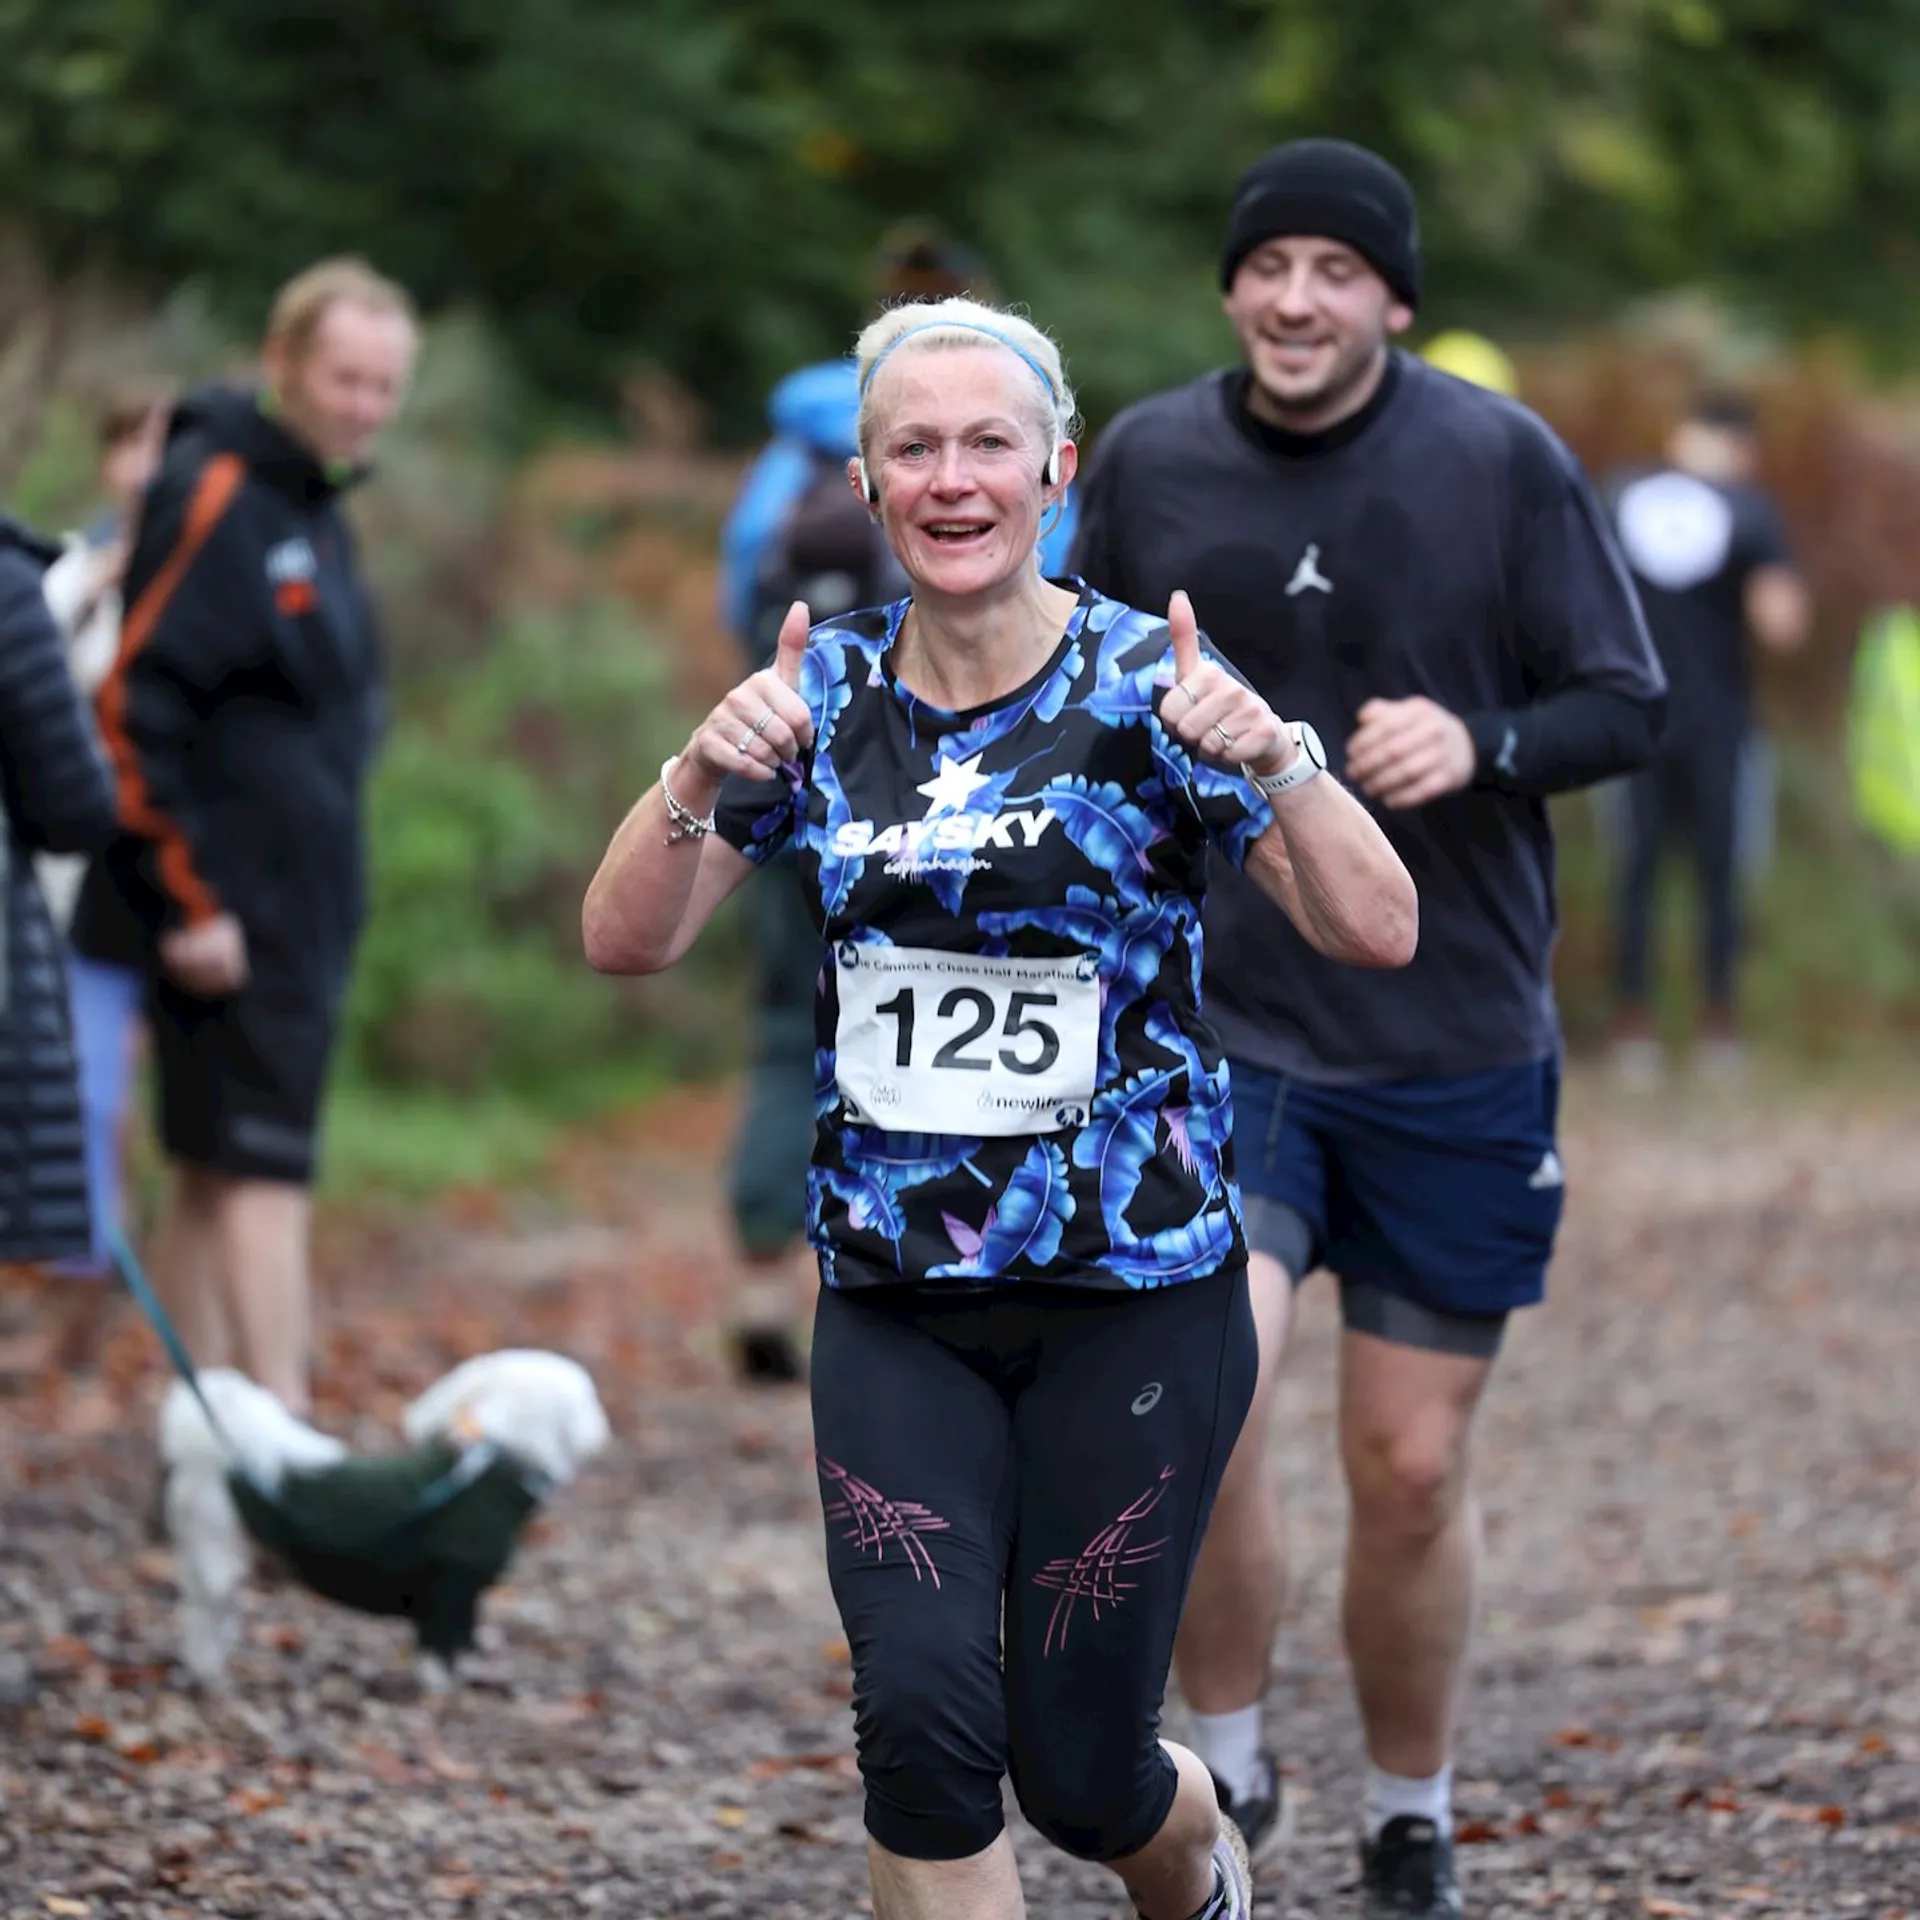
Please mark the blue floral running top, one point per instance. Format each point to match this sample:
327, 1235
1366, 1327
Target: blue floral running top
1014, 1080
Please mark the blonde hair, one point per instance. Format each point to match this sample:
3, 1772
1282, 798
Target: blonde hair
930, 325
301, 305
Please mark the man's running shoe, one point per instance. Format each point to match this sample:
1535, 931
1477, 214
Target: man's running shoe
1407, 1872
768, 1356
1264, 1817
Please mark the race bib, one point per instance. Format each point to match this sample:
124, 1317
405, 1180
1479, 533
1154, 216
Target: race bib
933, 1042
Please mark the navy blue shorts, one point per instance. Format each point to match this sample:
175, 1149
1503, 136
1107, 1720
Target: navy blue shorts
1441, 1194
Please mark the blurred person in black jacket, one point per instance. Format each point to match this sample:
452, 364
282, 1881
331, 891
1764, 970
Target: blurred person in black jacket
241, 716
57, 801
83, 589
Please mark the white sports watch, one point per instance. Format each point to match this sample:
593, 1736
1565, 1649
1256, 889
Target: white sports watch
1311, 759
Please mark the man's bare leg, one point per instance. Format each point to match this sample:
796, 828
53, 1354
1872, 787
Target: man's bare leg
1239, 1589
189, 1262
264, 1233
1413, 1548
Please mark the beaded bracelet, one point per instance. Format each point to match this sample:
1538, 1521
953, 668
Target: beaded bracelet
687, 825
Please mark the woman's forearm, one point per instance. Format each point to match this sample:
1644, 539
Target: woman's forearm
1328, 865
659, 884
637, 905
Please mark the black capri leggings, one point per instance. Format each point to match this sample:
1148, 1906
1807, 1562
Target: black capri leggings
1040, 1457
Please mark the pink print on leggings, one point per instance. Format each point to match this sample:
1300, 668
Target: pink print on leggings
877, 1520
1095, 1575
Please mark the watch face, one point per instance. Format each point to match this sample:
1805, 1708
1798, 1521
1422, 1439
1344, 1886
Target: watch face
1311, 747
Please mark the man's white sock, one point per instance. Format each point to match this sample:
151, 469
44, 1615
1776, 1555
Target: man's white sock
1230, 1744
1389, 1795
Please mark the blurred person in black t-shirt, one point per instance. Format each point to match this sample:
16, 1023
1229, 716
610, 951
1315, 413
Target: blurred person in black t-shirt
1710, 560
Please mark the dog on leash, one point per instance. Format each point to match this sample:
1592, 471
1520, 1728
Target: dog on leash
420, 1534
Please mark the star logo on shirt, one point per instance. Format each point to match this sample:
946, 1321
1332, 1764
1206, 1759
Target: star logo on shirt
953, 786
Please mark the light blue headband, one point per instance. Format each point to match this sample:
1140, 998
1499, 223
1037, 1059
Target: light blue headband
966, 326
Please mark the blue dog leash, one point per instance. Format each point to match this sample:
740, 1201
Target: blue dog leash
134, 1278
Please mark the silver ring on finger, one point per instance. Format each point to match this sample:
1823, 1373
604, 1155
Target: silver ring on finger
1193, 699
1226, 739
746, 740
761, 725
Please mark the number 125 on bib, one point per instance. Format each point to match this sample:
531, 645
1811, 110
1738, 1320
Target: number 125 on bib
934, 1042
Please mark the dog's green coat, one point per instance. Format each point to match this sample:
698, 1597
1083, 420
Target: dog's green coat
392, 1534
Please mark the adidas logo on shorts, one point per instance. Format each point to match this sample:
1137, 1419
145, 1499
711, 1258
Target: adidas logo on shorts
1549, 1173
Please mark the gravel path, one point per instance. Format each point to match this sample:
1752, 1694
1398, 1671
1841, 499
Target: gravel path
1697, 1690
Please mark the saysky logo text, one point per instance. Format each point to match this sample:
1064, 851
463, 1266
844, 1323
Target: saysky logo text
949, 839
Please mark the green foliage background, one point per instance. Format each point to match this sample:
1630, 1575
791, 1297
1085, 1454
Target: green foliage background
697, 182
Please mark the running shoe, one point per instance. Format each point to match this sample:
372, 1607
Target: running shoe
1637, 1061
768, 1356
1264, 1817
1407, 1872
1234, 1871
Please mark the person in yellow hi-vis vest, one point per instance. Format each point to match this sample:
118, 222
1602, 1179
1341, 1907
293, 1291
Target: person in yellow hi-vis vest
1472, 356
1883, 729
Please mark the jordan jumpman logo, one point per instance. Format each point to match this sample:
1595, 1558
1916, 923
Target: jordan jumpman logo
1307, 573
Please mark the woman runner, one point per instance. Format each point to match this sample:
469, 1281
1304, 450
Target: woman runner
1033, 1349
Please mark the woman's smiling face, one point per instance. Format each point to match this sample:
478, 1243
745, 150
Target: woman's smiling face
959, 437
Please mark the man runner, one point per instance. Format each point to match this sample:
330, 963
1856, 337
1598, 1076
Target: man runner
1417, 568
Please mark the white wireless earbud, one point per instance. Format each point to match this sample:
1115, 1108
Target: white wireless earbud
867, 488
1050, 473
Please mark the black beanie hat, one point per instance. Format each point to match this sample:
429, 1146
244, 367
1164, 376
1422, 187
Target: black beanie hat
1337, 191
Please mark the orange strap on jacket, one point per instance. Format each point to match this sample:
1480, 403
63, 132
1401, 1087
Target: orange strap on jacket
213, 493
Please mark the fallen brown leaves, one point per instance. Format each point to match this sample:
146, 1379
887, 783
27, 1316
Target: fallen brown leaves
1694, 1695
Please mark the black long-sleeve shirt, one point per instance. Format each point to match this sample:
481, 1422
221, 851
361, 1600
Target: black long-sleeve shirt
1439, 542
